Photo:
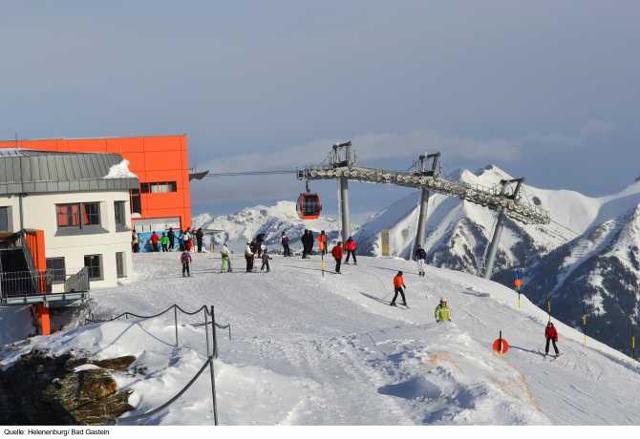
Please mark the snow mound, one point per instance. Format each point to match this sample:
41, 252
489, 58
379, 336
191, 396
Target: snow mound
120, 170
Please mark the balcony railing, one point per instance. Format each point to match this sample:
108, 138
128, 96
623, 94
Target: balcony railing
38, 285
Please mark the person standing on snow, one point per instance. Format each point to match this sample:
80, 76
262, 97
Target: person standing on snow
285, 245
199, 236
265, 260
421, 258
164, 242
336, 252
225, 254
305, 243
154, 241
322, 243
172, 238
350, 246
186, 260
135, 242
443, 312
551, 334
248, 256
189, 240
398, 285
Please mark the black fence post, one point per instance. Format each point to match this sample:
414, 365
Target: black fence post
214, 331
175, 320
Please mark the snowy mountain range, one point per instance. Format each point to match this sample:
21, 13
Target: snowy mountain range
586, 260
595, 277
239, 228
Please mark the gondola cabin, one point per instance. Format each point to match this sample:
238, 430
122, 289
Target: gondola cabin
309, 206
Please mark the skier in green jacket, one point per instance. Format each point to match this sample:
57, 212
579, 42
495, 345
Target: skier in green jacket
443, 312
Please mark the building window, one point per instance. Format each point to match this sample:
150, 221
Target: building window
120, 268
69, 215
55, 266
134, 201
120, 214
90, 214
5, 219
158, 187
94, 264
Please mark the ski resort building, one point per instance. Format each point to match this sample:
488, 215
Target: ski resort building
161, 163
65, 224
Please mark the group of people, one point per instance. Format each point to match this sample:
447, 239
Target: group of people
257, 248
442, 312
167, 241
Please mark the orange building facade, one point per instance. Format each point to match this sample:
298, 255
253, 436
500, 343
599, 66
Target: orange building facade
161, 164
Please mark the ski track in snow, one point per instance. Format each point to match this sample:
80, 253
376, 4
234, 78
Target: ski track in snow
314, 350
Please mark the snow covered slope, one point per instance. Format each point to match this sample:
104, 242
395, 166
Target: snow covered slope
242, 226
597, 275
458, 231
314, 350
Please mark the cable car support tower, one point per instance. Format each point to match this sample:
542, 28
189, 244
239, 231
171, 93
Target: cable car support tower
426, 177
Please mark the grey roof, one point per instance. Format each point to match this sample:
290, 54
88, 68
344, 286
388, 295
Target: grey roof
33, 172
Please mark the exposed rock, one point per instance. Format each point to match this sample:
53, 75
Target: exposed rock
120, 364
43, 390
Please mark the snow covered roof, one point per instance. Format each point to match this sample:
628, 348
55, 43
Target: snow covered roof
30, 171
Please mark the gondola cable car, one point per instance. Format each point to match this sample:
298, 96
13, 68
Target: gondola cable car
309, 205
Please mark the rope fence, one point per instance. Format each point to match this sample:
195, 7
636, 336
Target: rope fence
211, 339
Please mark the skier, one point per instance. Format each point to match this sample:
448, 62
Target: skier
185, 258
285, 245
265, 260
551, 334
225, 254
322, 243
135, 243
306, 248
154, 241
350, 246
199, 236
336, 252
443, 312
259, 245
248, 256
164, 242
421, 258
189, 240
172, 238
181, 240
398, 285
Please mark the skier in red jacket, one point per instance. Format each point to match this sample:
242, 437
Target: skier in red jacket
551, 334
350, 246
336, 252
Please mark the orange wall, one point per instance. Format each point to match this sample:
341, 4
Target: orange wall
151, 158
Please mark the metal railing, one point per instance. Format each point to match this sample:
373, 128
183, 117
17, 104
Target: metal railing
29, 284
211, 338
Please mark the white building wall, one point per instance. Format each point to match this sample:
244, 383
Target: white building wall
40, 213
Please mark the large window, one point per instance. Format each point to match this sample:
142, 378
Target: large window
78, 214
120, 268
94, 264
158, 187
56, 267
134, 201
120, 214
5, 219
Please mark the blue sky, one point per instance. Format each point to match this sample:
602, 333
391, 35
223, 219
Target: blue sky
548, 89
